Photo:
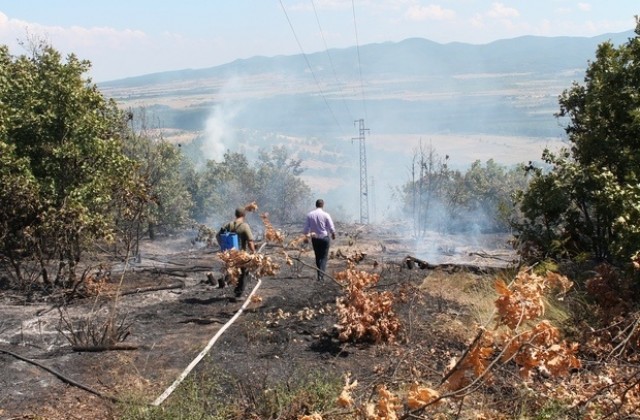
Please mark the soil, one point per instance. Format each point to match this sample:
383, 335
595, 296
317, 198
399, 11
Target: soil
287, 329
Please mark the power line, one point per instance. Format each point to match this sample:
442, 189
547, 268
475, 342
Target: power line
310, 68
333, 68
364, 190
355, 26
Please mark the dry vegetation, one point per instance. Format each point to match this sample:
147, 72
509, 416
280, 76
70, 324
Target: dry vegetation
377, 340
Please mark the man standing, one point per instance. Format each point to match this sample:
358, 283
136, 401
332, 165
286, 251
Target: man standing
319, 226
243, 230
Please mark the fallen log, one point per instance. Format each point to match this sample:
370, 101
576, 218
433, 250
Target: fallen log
95, 349
164, 261
147, 289
203, 321
172, 271
503, 257
412, 262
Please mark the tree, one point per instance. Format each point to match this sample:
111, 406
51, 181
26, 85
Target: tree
597, 179
63, 145
280, 191
490, 190
163, 170
273, 181
443, 199
424, 194
225, 185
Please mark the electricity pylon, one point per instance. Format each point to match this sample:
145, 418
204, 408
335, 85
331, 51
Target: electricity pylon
364, 192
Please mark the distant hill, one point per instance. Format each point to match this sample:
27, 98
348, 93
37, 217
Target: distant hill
411, 57
405, 84
494, 100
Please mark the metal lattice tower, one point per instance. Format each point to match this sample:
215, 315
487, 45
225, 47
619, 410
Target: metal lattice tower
373, 201
364, 192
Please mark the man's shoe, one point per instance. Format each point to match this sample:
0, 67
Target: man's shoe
209, 279
221, 283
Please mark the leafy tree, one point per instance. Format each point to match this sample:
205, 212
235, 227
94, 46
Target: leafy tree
18, 209
162, 169
61, 146
439, 198
490, 190
589, 200
280, 190
273, 180
224, 186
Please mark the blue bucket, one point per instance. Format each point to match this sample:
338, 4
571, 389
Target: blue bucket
229, 240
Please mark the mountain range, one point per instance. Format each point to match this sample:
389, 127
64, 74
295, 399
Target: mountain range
470, 102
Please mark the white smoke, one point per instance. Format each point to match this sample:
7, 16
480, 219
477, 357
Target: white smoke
219, 132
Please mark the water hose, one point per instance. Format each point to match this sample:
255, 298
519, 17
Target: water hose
206, 350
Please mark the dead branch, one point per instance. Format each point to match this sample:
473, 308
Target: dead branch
162, 261
202, 321
61, 376
172, 271
178, 285
411, 262
317, 269
96, 349
492, 256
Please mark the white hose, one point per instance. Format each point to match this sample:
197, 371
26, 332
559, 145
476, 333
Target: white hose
204, 351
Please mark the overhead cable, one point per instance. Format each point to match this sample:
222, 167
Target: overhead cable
355, 25
333, 68
310, 68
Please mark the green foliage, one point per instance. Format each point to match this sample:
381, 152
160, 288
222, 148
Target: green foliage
531, 409
19, 207
198, 397
162, 172
214, 395
313, 392
273, 181
280, 191
223, 186
589, 201
491, 191
62, 163
439, 198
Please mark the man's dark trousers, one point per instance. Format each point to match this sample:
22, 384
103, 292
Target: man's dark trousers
321, 249
242, 280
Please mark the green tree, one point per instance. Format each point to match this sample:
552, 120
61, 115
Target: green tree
597, 179
280, 190
273, 181
225, 185
490, 189
440, 198
163, 170
63, 144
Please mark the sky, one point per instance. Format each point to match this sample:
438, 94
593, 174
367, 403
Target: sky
136, 37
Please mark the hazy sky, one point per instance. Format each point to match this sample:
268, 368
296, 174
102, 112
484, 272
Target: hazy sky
134, 37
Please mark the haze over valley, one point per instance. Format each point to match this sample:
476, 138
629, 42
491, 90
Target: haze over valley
470, 102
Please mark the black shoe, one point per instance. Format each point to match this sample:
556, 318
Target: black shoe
221, 283
209, 279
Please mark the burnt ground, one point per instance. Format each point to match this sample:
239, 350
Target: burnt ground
287, 332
